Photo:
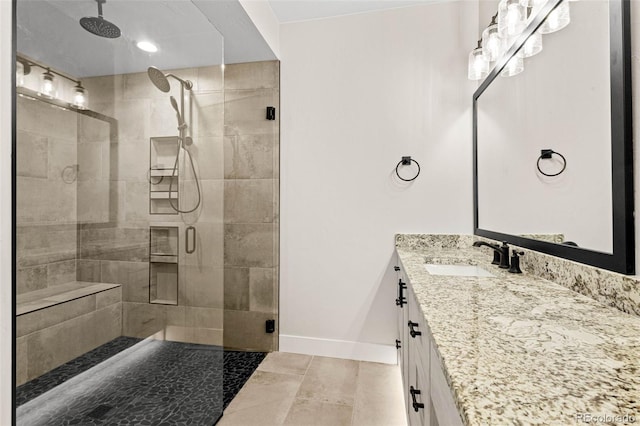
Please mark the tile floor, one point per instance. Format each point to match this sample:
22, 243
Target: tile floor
138, 382
302, 390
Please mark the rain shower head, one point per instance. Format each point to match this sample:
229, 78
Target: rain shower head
158, 79
161, 81
100, 26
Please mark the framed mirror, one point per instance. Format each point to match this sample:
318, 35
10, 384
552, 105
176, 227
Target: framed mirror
552, 145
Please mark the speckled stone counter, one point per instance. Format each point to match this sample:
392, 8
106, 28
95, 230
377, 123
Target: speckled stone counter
519, 349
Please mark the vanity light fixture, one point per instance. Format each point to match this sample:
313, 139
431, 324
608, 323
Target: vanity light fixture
80, 97
514, 67
533, 45
48, 85
478, 64
19, 74
559, 18
512, 18
492, 43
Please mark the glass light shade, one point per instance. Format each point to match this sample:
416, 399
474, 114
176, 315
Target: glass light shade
80, 97
533, 7
512, 18
492, 43
19, 74
478, 65
48, 85
514, 67
557, 19
533, 45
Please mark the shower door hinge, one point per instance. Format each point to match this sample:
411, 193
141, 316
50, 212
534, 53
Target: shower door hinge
271, 113
270, 326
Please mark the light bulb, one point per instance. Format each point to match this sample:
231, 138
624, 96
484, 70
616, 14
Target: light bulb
478, 65
492, 43
80, 98
48, 85
559, 18
512, 18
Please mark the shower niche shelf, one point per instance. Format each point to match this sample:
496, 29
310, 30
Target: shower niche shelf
162, 157
163, 265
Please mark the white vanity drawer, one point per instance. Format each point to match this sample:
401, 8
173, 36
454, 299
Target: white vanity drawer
421, 335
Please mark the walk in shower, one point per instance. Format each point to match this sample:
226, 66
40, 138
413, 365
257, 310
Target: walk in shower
146, 213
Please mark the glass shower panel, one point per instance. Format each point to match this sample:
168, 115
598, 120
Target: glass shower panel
120, 214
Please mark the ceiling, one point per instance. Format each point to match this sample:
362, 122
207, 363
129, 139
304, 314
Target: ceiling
188, 33
301, 10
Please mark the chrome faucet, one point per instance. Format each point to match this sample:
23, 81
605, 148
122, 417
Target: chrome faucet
500, 253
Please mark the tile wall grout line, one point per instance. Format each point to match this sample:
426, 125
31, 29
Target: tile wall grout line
355, 396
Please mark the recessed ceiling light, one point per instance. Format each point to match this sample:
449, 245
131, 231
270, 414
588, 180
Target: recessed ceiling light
147, 46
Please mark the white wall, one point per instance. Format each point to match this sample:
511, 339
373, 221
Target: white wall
6, 340
357, 93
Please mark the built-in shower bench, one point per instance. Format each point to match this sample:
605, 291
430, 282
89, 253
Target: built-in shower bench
59, 323
63, 293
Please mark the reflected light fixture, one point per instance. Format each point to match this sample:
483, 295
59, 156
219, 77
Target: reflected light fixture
512, 18
147, 46
514, 67
80, 97
492, 43
533, 45
533, 7
48, 85
19, 74
559, 18
478, 64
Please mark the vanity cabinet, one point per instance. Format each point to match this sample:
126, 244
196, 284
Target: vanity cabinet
428, 399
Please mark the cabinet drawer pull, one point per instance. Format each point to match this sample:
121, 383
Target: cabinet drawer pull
416, 405
413, 332
401, 300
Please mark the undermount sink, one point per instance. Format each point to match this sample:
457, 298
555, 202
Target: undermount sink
458, 270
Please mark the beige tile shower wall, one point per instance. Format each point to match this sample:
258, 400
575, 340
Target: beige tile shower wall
251, 199
46, 204
118, 251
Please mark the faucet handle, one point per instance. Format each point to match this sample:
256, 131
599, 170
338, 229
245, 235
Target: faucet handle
515, 262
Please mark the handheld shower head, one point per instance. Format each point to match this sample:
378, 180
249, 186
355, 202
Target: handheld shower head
174, 104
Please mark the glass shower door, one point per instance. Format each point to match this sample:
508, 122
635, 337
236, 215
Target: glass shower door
123, 306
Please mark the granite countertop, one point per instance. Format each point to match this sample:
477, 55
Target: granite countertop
519, 349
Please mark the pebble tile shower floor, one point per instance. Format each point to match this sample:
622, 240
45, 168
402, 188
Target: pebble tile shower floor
132, 382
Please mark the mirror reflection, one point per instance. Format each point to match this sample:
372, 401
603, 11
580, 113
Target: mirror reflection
544, 139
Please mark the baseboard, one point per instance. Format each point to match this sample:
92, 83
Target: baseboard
386, 354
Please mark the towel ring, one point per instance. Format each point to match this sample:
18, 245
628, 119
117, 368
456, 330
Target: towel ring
406, 161
547, 154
